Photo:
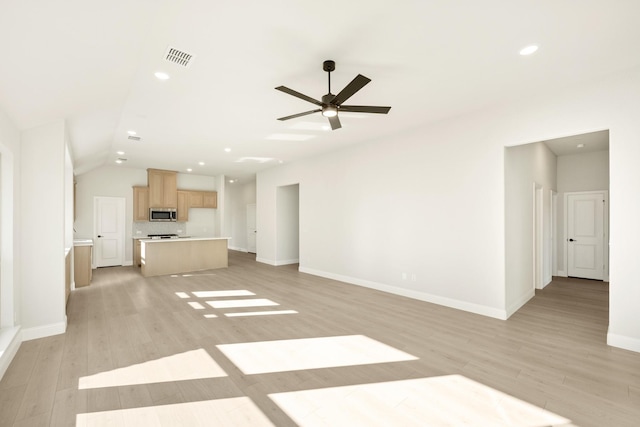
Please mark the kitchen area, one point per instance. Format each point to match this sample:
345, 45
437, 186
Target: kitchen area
161, 244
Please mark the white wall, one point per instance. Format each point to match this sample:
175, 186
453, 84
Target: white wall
43, 239
579, 172
444, 222
525, 166
287, 224
240, 195
10, 276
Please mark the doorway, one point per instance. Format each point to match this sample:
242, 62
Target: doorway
251, 228
108, 228
288, 224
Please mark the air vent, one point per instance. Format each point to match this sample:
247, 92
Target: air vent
178, 57
134, 138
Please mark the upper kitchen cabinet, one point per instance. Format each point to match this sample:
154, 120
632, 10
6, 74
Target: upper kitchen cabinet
163, 188
183, 205
209, 199
141, 203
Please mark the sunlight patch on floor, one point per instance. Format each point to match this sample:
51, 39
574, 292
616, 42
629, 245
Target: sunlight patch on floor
237, 411
196, 305
218, 294
190, 365
236, 303
451, 400
182, 295
310, 353
260, 313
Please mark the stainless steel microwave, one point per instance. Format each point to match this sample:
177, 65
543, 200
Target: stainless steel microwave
163, 214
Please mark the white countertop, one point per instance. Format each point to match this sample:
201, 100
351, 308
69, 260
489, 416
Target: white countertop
82, 242
181, 239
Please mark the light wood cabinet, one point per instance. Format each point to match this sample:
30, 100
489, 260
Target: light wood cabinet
137, 256
196, 199
163, 188
141, 203
82, 265
209, 199
183, 205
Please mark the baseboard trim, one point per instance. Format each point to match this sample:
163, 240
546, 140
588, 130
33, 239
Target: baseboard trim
266, 261
287, 262
624, 342
29, 334
127, 263
10, 340
235, 248
520, 302
422, 296
562, 274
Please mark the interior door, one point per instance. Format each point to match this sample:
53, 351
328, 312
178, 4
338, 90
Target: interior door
109, 231
585, 235
251, 228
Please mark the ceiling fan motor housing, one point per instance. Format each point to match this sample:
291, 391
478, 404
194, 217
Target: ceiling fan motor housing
329, 65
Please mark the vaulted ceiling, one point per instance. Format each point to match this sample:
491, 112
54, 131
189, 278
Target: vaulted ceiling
93, 63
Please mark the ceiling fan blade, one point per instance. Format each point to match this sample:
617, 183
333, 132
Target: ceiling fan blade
365, 109
335, 122
293, 116
356, 84
299, 95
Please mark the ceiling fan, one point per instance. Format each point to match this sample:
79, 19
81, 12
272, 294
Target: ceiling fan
331, 103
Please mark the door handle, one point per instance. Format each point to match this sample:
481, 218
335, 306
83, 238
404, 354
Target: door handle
571, 240
99, 235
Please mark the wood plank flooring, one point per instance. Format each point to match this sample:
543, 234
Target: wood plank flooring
551, 354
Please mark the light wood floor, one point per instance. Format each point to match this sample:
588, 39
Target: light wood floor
551, 354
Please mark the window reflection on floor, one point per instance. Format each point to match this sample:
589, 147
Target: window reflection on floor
310, 353
451, 400
190, 365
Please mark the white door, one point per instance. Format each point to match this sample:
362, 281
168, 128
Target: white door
251, 228
109, 231
586, 235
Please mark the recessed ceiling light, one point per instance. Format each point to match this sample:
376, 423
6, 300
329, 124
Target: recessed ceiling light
120, 160
254, 159
528, 50
580, 145
231, 181
189, 169
228, 150
161, 76
201, 163
132, 132
119, 153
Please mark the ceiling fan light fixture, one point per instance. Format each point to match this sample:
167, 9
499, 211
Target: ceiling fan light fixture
330, 111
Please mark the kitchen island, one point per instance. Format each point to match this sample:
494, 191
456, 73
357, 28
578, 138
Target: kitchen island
174, 256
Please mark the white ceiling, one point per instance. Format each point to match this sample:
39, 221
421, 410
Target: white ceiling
93, 63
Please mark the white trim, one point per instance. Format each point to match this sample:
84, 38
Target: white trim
422, 296
622, 341
235, 248
44, 331
562, 273
520, 303
10, 340
287, 262
127, 263
266, 261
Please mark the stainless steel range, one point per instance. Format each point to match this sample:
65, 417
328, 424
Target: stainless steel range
162, 236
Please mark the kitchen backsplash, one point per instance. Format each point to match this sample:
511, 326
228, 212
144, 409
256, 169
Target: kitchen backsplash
146, 228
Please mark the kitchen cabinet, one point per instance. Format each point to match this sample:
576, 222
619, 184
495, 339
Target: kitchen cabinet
137, 257
196, 199
209, 199
163, 188
183, 205
82, 265
141, 203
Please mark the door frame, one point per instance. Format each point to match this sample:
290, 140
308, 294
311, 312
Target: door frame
121, 213
605, 249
